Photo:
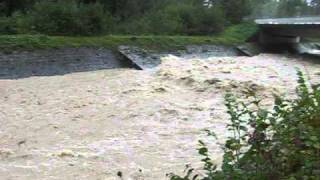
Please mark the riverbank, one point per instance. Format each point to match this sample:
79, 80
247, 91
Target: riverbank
231, 36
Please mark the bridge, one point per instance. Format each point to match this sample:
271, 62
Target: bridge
287, 30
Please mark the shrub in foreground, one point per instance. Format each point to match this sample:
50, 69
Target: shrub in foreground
280, 144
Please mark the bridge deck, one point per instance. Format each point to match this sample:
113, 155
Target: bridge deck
290, 21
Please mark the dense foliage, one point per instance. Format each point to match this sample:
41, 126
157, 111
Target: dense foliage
280, 144
165, 17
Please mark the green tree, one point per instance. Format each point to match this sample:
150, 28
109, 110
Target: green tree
8, 7
292, 8
316, 6
130, 16
264, 8
69, 18
236, 10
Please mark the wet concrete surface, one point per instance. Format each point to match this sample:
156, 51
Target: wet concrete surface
50, 62
143, 59
23, 64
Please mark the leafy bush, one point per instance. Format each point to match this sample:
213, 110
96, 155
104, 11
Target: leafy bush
7, 26
69, 18
194, 20
173, 19
166, 21
280, 144
16, 24
236, 10
208, 21
92, 19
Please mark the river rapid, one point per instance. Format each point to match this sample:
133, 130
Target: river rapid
90, 125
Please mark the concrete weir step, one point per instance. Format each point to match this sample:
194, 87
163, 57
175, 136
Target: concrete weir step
139, 58
146, 59
250, 49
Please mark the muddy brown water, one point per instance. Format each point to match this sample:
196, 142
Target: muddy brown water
92, 124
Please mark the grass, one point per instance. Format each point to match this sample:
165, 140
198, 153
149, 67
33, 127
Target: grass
231, 36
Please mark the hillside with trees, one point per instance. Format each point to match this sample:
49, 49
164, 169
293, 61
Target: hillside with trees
140, 17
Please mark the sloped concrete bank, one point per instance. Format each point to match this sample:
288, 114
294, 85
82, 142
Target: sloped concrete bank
21, 64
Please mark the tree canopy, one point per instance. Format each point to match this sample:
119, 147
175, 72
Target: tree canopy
88, 17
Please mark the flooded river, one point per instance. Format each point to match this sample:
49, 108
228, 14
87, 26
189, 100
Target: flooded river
90, 125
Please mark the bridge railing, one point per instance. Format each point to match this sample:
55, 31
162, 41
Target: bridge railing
288, 21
